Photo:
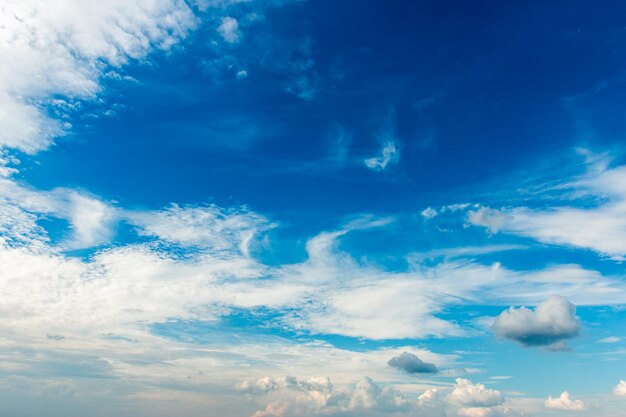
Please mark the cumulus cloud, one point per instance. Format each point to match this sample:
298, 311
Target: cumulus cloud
470, 395
620, 389
368, 398
564, 402
62, 48
319, 396
549, 324
411, 364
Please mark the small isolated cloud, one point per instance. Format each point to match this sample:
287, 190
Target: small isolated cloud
611, 339
429, 213
468, 394
620, 389
411, 364
548, 325
229, 29
388, 155
564, 402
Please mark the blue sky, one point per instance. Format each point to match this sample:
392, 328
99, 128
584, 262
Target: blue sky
288, 208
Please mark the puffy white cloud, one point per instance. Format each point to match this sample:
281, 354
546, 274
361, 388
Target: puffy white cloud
411, 364
229, 29
550, 324
319, 396
620, 389
564, 402
63, 48
470, 395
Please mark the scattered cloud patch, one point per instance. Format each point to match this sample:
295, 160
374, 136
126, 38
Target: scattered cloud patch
620, 389
548, 325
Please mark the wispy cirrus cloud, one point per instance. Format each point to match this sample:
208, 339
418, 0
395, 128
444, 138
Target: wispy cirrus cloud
564, 402
593, 218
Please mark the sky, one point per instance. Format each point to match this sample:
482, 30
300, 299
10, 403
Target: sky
284, 208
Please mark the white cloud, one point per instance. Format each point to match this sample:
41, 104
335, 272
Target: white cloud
468, 394
229, 29
564, 402
611, 339
7, 164
90, 219
601, 227
429, 213
201, 226
389, 154
319, 396
550, 324
62, 48
105, 306
620, 389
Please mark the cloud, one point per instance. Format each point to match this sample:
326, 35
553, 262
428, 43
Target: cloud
611, 339
63, 48
411, 364
600, 227
201, 226
468, 394
429, 213
620, 389
368, 398
550, 324
389, 154
90, 219
319, 396
229, 29
564, 402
